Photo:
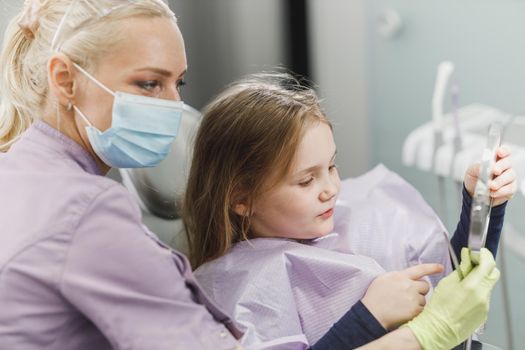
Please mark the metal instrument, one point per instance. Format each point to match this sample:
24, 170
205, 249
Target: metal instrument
481, 201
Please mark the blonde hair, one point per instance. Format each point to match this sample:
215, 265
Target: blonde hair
246, 144
27, 48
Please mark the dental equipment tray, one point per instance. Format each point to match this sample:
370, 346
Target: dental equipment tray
473, 120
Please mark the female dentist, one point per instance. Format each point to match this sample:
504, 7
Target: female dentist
87, 85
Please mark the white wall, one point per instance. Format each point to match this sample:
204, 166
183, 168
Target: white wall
7, 10
227, 39
338, 49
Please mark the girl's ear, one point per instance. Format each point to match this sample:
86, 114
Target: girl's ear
240, 209
240, 202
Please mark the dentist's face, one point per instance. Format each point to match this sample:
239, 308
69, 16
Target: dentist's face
301, 206
149, 61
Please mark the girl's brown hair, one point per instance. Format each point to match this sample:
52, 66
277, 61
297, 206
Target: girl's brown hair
246, 143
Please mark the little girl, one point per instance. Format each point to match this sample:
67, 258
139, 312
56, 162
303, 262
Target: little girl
259, 212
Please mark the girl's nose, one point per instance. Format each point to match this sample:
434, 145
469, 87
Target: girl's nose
329, 191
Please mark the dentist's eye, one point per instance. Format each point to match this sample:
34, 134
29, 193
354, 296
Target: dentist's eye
148, 85
181, 84
306, 182
332, 167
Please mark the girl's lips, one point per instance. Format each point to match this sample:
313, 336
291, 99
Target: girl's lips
327, 214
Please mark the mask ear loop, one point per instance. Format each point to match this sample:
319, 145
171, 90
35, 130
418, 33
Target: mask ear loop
98, 83
82, 115
93, 79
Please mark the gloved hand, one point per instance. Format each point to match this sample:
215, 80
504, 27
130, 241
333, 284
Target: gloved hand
398, 296
458, 306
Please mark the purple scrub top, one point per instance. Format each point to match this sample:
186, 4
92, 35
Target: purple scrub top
78, 270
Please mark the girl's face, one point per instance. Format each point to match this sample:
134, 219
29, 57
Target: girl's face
302, 205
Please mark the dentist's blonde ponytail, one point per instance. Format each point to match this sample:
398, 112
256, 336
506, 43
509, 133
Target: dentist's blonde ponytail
27, 48
18, 89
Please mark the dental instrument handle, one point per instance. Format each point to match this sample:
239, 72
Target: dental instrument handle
454, 94
458, 140
445, 70
468, 343
453, 256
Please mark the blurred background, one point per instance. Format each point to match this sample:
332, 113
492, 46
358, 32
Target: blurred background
374, 64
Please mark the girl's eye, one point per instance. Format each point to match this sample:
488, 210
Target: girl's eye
332, 167
307, 182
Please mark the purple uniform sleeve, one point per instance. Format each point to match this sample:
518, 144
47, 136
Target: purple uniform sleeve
131, 288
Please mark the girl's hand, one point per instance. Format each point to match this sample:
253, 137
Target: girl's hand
396, 297
503, 186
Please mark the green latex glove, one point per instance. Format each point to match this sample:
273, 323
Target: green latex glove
458, 306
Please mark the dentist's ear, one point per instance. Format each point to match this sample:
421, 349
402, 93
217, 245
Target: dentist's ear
61, 73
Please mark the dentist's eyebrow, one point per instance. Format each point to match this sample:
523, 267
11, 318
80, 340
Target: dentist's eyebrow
315, 167
159, 71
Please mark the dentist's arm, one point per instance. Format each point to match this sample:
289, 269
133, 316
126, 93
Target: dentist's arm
458, 306
130, 287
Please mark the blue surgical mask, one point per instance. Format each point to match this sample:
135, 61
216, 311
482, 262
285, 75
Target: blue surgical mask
142, 129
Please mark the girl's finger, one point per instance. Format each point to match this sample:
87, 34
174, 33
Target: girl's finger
502, 180
474, 169
507, 191
502, 165
503, 151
